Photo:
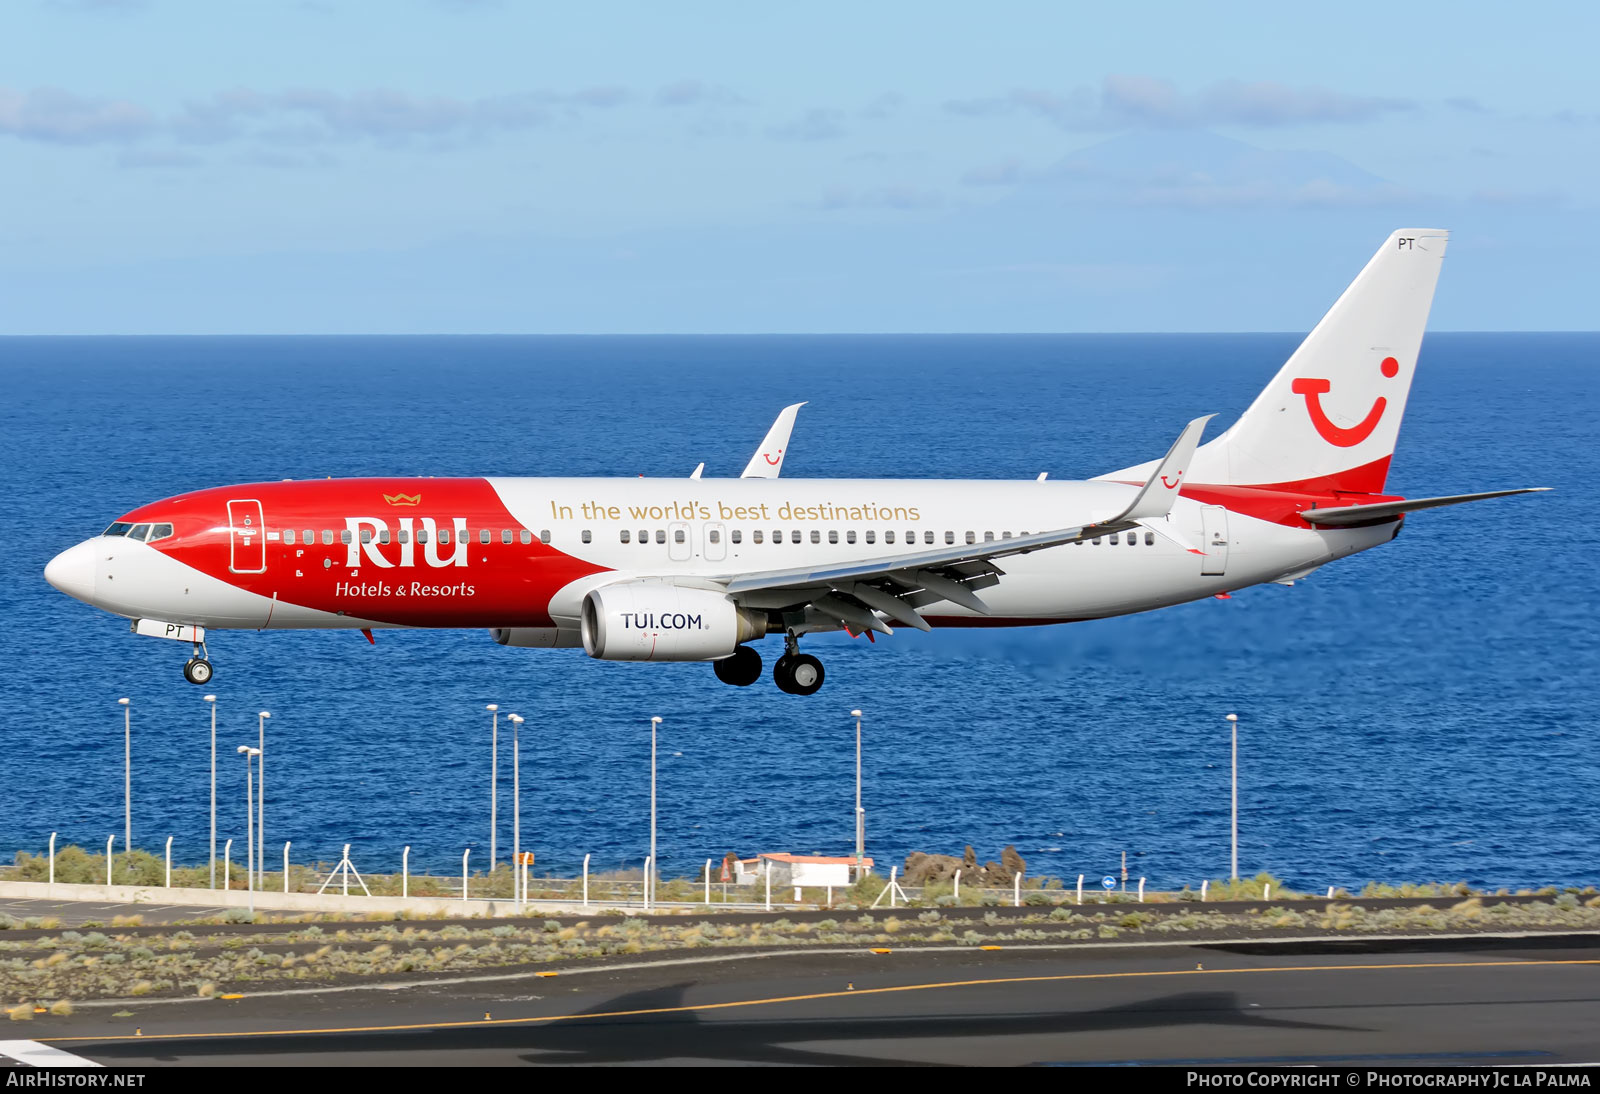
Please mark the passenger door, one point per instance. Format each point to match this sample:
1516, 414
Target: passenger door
247, 552
1214, 525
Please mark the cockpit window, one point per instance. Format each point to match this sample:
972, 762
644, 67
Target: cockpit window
159, 531
138, 532
119, 528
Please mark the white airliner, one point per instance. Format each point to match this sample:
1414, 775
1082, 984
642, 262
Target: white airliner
693, 570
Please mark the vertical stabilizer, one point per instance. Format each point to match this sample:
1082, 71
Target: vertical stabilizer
1330, 418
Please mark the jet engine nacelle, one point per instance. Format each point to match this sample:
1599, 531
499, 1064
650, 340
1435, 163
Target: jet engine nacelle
654, 621
538, 638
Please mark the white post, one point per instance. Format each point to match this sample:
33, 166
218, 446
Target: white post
769, 885
211, 863
464, 856
1080, 888
516, 802
1233, 721
1016, 891
1330, 892
227, 865
345, 873
647, 865
286, 844
405, 872
958, 887
127, 775
261, 800
893, 887
52, 861
649, 876
1141, 890
1266, 891
250, 840
169, 862
585, 881
860, 816
109, 840
494, 782
708, 882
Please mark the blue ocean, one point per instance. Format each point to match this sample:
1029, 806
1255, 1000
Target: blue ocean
1421, 711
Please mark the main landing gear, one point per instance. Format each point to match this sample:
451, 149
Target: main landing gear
741, 670
797, 673
197, 670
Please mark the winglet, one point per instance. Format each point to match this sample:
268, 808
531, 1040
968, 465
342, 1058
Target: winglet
1156, 497
768, 460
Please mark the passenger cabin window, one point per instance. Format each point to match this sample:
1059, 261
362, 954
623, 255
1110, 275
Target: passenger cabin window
794, 536
327, 537
949, 537
972, 537
850, 536
309, 538
714, 536
422, 535
525, 536
755, 537
661, 535
927, 537
833, 536
888, 537
588, 536
1113, 539
738, 535
544, 536
988, 537
816, 536
1149, 539
872, 536
366, 535
626, 535
505, 535
444, 535
402, 536
288, 536
483, 535
383, 536
344, 536
677, 535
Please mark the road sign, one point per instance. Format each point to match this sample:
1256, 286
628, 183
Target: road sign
527, 858
1109, 882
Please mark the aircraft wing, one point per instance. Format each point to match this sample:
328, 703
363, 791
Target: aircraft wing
1388, 510
897, 585
768, 460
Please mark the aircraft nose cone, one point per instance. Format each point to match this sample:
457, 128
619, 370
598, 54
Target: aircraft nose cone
72, 571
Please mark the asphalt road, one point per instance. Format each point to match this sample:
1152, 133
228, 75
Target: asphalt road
1523, 1003
75, 913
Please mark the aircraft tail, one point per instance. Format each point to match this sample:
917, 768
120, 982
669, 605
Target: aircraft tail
1330, 418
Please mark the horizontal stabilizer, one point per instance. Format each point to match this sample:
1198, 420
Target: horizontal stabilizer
1386, 510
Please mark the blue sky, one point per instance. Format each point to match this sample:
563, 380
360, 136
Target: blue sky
476, 166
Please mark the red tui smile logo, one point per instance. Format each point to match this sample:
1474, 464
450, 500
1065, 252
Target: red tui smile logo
1314, 389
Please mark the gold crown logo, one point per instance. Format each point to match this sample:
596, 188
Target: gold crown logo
403, 499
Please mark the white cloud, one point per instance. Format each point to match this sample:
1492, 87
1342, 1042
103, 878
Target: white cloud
60, 117
816, 124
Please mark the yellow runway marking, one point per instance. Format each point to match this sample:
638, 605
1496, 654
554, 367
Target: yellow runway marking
856, 993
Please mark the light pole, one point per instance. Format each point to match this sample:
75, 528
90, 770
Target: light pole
261, 794
861, 820
516, 807
649, 879
212, 701
250, 821
494, 779
1233, 721
127, 773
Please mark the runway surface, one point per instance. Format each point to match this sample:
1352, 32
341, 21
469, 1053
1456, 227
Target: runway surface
75, 913
1521, 1003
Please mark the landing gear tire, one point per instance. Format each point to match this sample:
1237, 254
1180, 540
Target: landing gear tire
798, 674
741, 670
197, 671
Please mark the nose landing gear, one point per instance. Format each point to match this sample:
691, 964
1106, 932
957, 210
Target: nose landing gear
197, 670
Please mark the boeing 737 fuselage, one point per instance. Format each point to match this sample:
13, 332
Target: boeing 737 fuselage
694, 570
